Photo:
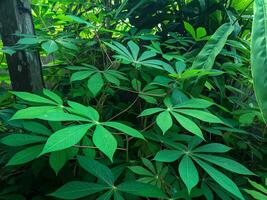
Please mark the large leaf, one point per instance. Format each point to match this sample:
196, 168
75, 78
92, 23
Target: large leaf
188, 173
33, 98
66, 138
97, 169
77, 189
168, 155
125, 129
213, 148
85, 111
221, 179
226, 163
259, 55
188, 124
205, 59
95, 83
105, 141
25, 155
164, 121
16, 140
141, 189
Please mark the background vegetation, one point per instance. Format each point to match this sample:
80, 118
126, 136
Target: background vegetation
149, 99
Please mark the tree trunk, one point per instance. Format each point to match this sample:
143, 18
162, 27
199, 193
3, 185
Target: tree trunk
24, 67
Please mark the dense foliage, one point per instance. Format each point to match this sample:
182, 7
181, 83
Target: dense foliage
149, 99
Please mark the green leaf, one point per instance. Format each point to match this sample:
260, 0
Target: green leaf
212, 148
164, 121
65, 138
134, 49
105, 141
58, 159
36, 128
80, 20
201, 115
259, 55
151, 111
53, 96
125, 129
25, 155
85, 111
205, 59
256, 195
188, 173
95, 83
50, 46
190, 29
195, 103
188, 124
140, 171
258, 186
168, 155
32, 112
33, 98
30, 41
141, 189
221, 179
226, 163
97, 169
16, 140
81, 75
77, 189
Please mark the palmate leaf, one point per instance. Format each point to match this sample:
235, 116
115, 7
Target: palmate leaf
77, 189
141, 189
33, 98
105, 141
221, 179
125, 129
131, 57
97, 169
188, 124
25, 155
259, 55
95, 83
225, 163
168, 155
188, 173
164, 121
65, 138
17, 140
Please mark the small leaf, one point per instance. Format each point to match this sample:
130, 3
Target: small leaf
190, 29
25, 155
16, 140
105, 141
95, 83
195, 103
77, 189
141, 189
188, 173
221, 179
188, 124
168, 155
97, 169
65, 138
125, 129
164, 121
50, 46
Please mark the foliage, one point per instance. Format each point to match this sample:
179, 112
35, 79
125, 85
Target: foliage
145, 100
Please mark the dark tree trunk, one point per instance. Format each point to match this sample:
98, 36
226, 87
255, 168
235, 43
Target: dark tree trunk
24, 67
